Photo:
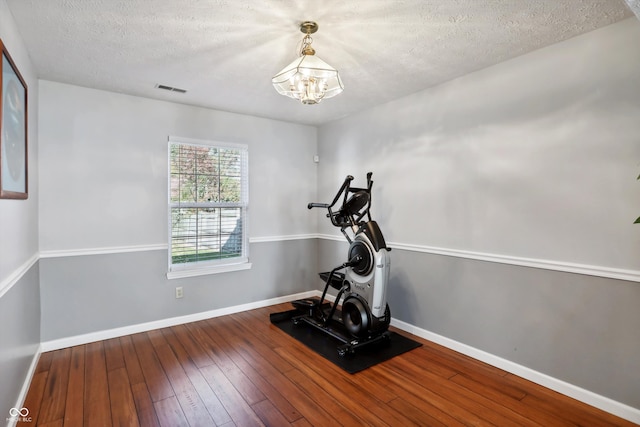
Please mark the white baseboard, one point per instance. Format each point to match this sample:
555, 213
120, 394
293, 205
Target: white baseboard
12, 421
601, 402
586, 396
164, 323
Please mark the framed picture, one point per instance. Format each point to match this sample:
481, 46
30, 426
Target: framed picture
13, 130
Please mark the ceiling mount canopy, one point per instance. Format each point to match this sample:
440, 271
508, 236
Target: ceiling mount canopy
308, 78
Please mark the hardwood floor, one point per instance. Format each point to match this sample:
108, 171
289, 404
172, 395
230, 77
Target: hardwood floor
239, 370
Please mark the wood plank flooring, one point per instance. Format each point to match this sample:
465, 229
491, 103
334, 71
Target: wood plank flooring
239, 370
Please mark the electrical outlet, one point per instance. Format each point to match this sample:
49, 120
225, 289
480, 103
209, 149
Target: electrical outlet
179, 293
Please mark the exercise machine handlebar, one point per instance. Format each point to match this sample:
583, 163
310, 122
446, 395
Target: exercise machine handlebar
345, 186
318, 205
355, 204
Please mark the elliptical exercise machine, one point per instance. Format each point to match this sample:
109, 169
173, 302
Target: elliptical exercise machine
365, 315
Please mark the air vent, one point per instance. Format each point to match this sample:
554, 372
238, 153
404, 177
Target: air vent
171, 89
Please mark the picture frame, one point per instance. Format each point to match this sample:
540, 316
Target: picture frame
13, 130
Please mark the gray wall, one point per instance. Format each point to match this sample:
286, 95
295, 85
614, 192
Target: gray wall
20, 337
19, 291
90, 293
104, 167
532, 161
104, 214
579, 329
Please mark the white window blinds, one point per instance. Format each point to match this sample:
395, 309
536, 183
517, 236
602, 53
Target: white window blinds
208, 200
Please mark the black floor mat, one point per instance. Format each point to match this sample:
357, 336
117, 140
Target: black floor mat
327, 346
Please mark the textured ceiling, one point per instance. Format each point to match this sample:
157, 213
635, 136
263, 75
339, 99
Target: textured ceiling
224, 52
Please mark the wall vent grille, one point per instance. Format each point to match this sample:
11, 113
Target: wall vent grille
171, 89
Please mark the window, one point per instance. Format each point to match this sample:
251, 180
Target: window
208, 200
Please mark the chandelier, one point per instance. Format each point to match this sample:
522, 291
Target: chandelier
308, 79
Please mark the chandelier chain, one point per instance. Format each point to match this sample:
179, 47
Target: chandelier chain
306, 45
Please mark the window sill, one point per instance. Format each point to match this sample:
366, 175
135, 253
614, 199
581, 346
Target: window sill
213, 269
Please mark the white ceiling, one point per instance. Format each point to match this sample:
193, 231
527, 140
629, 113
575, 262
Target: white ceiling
224, 52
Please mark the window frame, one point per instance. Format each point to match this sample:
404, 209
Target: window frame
197, 268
